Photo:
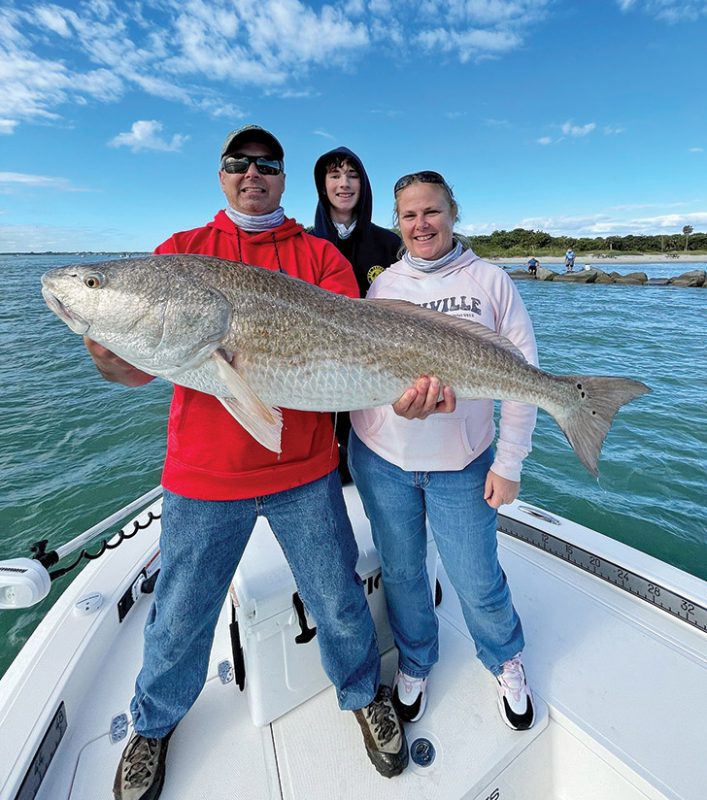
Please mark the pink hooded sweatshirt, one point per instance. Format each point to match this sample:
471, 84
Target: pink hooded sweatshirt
480, 291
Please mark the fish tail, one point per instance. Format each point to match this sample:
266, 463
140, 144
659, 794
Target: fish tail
586, 423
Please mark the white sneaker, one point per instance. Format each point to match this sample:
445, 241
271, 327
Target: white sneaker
515, 700
409, 696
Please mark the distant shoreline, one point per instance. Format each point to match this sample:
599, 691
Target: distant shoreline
595, 260
603, 261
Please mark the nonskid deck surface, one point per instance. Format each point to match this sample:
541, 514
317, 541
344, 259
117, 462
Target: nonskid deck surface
316, 751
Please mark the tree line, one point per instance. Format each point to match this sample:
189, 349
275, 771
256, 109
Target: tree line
524, 242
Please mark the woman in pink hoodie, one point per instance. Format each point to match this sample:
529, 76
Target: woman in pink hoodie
443, 469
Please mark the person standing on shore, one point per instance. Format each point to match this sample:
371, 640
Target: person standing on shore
443, 469
569, 260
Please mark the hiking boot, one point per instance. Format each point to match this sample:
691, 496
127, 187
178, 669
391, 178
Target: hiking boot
140, 774
383, 734
409, 696
515, 701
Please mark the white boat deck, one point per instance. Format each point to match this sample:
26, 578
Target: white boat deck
620, 685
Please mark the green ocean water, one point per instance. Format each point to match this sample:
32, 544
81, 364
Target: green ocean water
74, 448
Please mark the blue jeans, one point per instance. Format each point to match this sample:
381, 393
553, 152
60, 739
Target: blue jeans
463, 525
202, 543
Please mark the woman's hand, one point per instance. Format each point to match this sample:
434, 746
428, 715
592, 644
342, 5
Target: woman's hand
499, 491
423, 399
113, 367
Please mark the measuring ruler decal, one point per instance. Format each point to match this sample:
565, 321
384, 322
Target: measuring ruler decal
688, 611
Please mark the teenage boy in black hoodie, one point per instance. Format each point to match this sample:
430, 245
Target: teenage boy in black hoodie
343, 217
344, 212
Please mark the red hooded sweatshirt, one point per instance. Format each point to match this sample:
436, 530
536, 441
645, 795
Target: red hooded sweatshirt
209, 455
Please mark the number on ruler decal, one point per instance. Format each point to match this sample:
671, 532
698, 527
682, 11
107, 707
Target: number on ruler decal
619, 576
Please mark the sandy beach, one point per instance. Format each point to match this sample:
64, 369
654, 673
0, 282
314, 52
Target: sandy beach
605, 263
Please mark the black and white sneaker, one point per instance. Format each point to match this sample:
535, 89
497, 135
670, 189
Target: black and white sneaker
383, 734
515, 700
141, 770
409, 696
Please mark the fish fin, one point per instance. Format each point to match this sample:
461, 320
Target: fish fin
263, 422
586, 423
439, 318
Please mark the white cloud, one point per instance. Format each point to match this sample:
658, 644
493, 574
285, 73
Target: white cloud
696, 150
471, 44
483, 12
10, 179
473, 30
325, 134
145, 134
671, 11
51, 18
220, 110
43, 238
481, 228
603, 224
673, 222
195, 52
569, 129
7, 126
291, 94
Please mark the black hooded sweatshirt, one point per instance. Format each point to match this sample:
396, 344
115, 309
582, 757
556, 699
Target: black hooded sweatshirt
370, 248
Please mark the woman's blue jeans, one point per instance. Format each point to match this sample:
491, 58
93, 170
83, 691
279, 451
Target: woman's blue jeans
202, 543
463, 525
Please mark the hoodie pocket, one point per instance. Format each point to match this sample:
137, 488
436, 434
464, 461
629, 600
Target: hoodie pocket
368, 421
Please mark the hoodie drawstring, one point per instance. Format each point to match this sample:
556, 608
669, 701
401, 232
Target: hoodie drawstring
274, 242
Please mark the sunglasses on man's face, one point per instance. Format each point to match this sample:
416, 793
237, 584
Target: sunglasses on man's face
422, 177
240, 164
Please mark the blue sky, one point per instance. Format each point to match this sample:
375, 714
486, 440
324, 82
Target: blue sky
580, 118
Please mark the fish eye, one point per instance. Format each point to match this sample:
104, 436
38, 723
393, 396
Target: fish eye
94, 281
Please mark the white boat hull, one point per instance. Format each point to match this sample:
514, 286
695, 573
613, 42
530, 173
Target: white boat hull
620, 685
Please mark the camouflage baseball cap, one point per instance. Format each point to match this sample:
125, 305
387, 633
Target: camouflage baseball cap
252, 133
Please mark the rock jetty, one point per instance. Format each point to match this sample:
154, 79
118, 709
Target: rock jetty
695, 277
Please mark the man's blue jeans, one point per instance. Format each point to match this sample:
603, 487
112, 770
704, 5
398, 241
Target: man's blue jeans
202, 542
464, 528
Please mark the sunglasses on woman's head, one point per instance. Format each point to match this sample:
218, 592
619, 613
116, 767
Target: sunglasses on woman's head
426, 176
240, 164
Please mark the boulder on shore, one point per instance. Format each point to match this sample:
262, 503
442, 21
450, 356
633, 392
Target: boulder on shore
542, 274
632, 277
583, 276
521, 274
695, 277
602, 277
545, 274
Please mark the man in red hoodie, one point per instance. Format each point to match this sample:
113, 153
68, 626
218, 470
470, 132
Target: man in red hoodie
217, 479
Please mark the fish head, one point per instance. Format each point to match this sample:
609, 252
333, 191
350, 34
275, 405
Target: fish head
156, 316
